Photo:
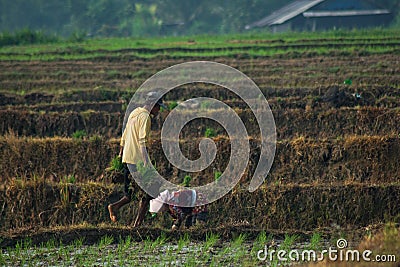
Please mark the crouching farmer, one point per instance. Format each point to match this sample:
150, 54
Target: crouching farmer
189, 215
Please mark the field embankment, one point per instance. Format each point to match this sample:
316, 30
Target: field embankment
335, 102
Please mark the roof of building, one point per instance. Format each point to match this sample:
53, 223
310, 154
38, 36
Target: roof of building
316, 14
285, 13
301, 7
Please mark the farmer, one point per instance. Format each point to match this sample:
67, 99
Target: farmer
133, 151
189, 215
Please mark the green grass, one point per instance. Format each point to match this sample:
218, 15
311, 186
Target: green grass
79, 134
254, 45
210, 132
252, 52
116, 164
201, 41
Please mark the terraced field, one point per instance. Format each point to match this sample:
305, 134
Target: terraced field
335, 101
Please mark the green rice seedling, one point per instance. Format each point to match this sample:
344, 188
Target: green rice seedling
147, 244
70, 255
79, 134
214, 261
206, 105
223, 255
65, 195
116, 164
286, 245
50, 244
172, 105
186, 181
210, 132
211, 240
21, 250
60, 252
91, 256
225, 251
121, 248
105, 241
124, 106
96, 138
238, 241
262, 238
315, 242
169, 254
238, 250
191, 262
259, 244
78, 243
348, 82
127, 242
70, 179
183, 241
2, 256
147, 173
109, 258
8, 256
26, 243
159, 241
272, 51
21, 93
217, 175
18, 249
289, 241
79, 257
2, 259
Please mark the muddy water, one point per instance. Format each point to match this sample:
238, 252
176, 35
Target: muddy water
147, 253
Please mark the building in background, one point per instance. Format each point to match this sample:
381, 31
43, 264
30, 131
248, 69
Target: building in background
315, 15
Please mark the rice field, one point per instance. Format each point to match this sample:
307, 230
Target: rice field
335, 101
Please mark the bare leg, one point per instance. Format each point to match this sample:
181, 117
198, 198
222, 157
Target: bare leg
143, 208
113, 208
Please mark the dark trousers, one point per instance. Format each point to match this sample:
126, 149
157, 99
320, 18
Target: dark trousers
127, 181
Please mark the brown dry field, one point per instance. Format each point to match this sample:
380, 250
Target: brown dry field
336, 168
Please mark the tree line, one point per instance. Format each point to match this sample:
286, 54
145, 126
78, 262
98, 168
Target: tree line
140, 17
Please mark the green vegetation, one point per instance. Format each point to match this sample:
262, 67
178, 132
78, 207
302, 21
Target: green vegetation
210, 132
329, 154
141, 18
70, 179
96, 138
79, 134
186, 180
147, 173
26, 37
217, 175
315, 242
125, 251
182, 250
172, 105
338, 41
116, 164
